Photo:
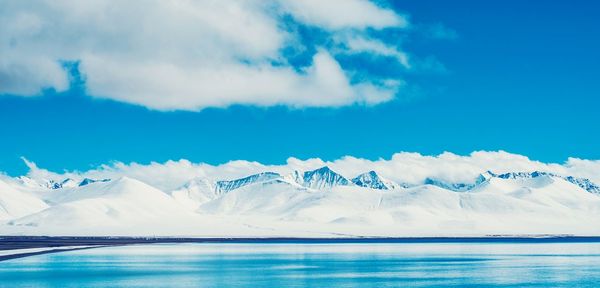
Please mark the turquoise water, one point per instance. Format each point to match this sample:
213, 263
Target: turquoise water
315, 265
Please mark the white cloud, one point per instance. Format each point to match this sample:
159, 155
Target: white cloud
414, 167
27, 75
402, 167
340, 14
188, 54
361, 44
322, 84
38, 173
585, 168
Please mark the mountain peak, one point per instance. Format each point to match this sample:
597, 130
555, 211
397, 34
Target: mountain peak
323, 177
372, 180
485, 176
324, 169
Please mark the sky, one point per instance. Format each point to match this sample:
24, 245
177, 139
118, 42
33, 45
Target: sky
87, 83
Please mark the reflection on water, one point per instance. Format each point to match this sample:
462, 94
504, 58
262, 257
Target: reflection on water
316, 265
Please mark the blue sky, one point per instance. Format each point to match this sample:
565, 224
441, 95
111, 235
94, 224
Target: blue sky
520, 77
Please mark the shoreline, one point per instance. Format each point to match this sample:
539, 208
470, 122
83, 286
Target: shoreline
23, 254
22, 245
25, 242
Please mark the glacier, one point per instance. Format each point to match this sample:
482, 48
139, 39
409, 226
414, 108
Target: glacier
312, 203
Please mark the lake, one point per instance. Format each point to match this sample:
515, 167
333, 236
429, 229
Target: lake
495, 264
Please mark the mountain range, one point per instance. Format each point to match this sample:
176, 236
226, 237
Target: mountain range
315, 203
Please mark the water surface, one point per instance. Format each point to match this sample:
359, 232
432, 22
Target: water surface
313, 264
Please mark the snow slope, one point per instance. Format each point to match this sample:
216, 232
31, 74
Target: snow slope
195, 193
111, 203
15, 203
122, 207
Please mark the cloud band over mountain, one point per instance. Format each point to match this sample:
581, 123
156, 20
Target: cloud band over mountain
403, 167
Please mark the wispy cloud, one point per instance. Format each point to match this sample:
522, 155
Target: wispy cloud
440, 31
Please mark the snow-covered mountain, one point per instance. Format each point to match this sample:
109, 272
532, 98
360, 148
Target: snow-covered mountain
226, 186
57, 184
322, 178
581, 182
194, 193
87, 181
314, 203
47, 183
457, 187
15, 203
372, 180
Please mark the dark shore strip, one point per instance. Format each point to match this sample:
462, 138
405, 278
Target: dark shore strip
21, 255
24, 242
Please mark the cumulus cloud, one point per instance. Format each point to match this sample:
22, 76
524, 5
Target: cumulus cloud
404, 167
190, 55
